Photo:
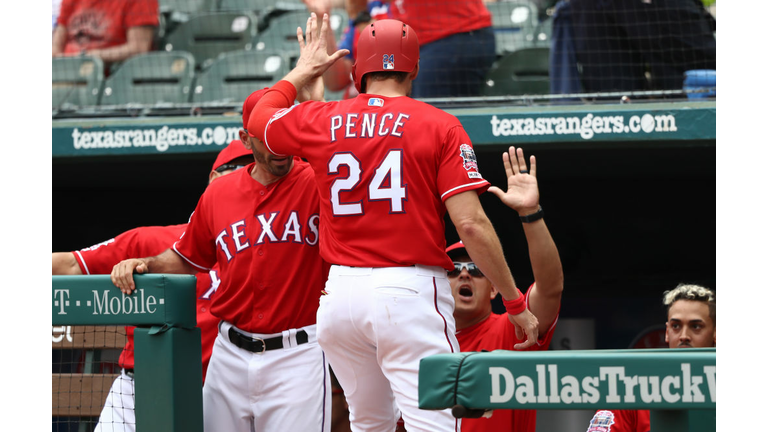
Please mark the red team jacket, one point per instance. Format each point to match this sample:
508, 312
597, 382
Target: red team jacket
265, 240
497, 332
384, 167
144, 242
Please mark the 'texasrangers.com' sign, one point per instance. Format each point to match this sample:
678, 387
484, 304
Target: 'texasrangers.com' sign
585, 126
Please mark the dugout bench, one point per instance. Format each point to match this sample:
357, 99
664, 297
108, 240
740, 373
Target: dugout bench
677, 386
167, 347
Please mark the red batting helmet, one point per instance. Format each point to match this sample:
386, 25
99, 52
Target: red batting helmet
385, 46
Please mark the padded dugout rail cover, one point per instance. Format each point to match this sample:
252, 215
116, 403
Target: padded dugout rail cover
589, 379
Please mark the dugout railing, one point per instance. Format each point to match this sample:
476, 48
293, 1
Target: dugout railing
677, 386
167, 371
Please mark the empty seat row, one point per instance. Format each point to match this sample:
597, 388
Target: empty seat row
164, 78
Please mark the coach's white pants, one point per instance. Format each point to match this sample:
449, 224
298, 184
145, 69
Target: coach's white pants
286, 389
119, 412
375, 325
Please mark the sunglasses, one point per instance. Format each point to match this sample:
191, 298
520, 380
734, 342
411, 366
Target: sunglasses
470, 266
226, 167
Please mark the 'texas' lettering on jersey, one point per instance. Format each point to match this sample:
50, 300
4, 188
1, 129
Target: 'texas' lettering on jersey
353, 125
233, 239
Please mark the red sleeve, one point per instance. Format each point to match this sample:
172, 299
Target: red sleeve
136, 243
65, 12
142, 13
280, 96
458, 171
198, 244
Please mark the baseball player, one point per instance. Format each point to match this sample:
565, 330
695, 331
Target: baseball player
387, 167
118, 413
267, 371
691, 323
477, 328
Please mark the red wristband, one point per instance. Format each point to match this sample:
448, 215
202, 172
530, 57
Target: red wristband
515, 306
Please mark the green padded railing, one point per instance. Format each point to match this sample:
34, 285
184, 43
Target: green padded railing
670, 383
168, 370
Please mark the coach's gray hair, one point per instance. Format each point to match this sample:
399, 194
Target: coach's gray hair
691, 292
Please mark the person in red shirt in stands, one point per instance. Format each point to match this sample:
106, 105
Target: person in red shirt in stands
112, 30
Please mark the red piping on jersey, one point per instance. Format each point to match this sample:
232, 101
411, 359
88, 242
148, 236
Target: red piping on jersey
445, 323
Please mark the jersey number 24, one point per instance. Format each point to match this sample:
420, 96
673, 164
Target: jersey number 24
391, 167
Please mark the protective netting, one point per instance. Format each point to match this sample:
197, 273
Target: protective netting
86, 363
201, 54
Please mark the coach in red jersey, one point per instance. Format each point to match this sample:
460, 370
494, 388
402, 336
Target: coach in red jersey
118, 412
477, 327
260, 226
387, 168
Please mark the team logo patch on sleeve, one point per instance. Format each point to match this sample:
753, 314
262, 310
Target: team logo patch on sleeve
601, 422
376, 102
470, 161
389, 61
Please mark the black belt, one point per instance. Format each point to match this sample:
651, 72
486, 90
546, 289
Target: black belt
258, 345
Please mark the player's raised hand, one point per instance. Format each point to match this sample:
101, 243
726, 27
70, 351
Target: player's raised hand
522, 193
122, 274
314, 59
527, 323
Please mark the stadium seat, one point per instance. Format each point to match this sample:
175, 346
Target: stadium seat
514, 24
206, 35
186, 6
521, 72
280, 33
76, 81
234, 75
155, 77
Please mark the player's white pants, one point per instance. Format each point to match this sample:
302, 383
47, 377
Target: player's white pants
287, 389
375, 325
119, 412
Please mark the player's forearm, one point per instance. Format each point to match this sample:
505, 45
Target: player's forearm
168, 262
64, 263
482, 243
545, 259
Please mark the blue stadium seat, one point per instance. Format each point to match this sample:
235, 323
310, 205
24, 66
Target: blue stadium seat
151, 78
76, 81
234, 75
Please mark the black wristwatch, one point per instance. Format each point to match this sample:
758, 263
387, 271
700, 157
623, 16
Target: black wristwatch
533, 217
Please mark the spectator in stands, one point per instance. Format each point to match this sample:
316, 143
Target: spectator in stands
457, 45
615, 40
477, 328
339, 76
112, 30
691, 321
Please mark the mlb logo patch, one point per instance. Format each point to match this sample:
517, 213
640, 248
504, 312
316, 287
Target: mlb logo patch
376, 102
389, 61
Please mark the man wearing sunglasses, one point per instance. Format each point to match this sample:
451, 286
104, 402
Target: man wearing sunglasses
477, 328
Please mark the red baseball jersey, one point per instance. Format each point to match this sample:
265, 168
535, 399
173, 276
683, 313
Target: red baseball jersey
497, 332
144, 242
620, 421
384, 167
264, 239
